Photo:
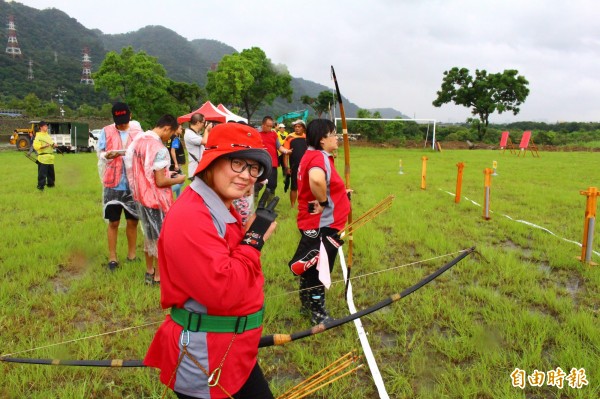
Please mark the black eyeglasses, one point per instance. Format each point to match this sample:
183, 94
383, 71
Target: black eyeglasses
239, 165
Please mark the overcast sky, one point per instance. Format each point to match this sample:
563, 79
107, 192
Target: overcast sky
392, 53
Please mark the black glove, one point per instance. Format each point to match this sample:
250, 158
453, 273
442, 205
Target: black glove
264, 217
262, 202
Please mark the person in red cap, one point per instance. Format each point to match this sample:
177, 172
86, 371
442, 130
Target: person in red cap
212, 279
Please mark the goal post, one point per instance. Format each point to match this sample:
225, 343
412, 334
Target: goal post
416, 120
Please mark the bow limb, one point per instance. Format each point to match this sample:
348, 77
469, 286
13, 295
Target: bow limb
267, 340
281, 339
346, 172
80, 363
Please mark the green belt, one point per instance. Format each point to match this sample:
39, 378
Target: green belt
195, 322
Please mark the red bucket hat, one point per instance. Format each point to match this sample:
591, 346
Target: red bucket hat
235, 138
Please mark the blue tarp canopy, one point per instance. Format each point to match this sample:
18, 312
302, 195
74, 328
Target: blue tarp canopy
302, 114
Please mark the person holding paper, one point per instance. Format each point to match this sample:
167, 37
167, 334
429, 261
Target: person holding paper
116, 194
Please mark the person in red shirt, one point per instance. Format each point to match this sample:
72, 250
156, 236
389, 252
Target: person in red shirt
272, 145
323, 208
211, 275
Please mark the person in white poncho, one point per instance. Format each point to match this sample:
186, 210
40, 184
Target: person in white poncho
147, 162
116, 194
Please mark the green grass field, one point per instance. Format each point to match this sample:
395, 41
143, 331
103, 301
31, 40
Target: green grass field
526, 302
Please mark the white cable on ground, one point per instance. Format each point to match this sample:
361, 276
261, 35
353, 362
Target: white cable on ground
362, 335
525, 222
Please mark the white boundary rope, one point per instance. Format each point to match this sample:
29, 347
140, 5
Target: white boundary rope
525, 222
362, 335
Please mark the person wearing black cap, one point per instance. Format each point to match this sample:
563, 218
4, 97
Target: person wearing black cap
116, 194
211, 271
44, 145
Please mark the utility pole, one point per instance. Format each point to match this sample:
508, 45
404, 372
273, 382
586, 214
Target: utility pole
12, 47
60, 95
86, 63
30, 70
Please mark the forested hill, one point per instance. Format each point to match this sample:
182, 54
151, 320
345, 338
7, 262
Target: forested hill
54, 42
184, 60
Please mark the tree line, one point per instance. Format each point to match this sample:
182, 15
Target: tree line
246, 81
399, 132
243, 82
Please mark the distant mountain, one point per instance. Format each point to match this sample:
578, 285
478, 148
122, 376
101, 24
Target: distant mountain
183, 61
54, 43
388, 113
212, 50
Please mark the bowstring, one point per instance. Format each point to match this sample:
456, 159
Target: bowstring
269, 297
80, 339
373, 273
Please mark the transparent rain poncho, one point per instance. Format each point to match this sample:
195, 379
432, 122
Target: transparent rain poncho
112, 174
146, 155
124, 198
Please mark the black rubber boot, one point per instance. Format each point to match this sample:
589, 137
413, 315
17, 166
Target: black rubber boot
304, 297
318, 313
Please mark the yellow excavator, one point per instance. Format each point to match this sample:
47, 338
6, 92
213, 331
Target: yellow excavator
23, 138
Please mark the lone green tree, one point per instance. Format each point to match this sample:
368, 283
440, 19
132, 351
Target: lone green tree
484, 93
248, 80
139, 80
324, 102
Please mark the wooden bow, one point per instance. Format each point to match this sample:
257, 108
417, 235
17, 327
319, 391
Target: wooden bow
266, 340
346, 172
